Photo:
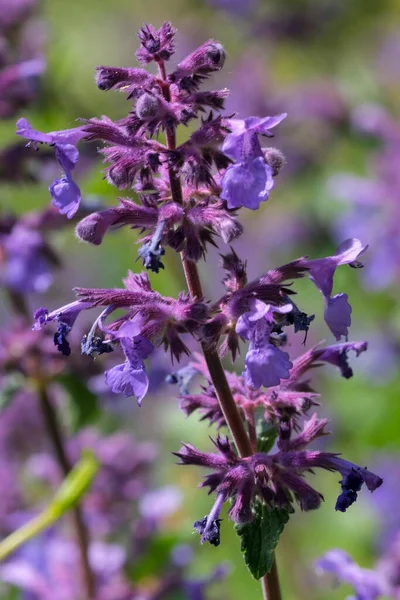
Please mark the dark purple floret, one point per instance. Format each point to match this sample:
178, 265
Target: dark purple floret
212, 534
351, 484
156, 44
95, 345
152, 251
60, 339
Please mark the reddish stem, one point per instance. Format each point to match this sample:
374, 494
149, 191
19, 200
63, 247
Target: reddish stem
270, 582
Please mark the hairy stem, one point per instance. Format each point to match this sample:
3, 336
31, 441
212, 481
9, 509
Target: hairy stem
54, 430
270, 582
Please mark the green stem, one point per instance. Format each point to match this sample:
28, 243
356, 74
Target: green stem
25, 533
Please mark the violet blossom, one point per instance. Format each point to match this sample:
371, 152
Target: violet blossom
28, 261
65, 193
337, 308
248, 181
47, 569
148, 317
265, 364
274, 478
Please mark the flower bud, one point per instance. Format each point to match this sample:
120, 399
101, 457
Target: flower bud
275, 159
147, 107
93, 227
156, 44
117, 77
209, 57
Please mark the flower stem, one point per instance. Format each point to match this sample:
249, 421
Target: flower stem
54, 431
270, 582
20, 308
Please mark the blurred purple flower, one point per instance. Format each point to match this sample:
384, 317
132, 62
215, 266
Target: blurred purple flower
367, 584
48, 569
28, 261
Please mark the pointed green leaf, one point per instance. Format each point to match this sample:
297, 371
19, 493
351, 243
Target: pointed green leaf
260, 537
72, 489
75, 485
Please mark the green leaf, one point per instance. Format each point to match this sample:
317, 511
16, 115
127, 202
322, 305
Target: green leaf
75, 485
68, 495
266, 437
260, 537
83, 403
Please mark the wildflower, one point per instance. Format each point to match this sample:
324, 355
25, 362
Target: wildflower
265, 364
337, 308
65, 193
46, 568
130, 378
199, 64
249, 181
274, 478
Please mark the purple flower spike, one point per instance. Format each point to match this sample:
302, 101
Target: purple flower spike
65, 193
337, 308
249, 181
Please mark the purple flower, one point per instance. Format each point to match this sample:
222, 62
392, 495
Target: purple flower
367, 584
337, 308
336, 355
247, 182
46, 569
130, 378
66, 317
265, 364
198, 65
275, 478
27, 265
65, 193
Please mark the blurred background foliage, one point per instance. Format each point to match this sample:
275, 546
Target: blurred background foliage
316, 60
